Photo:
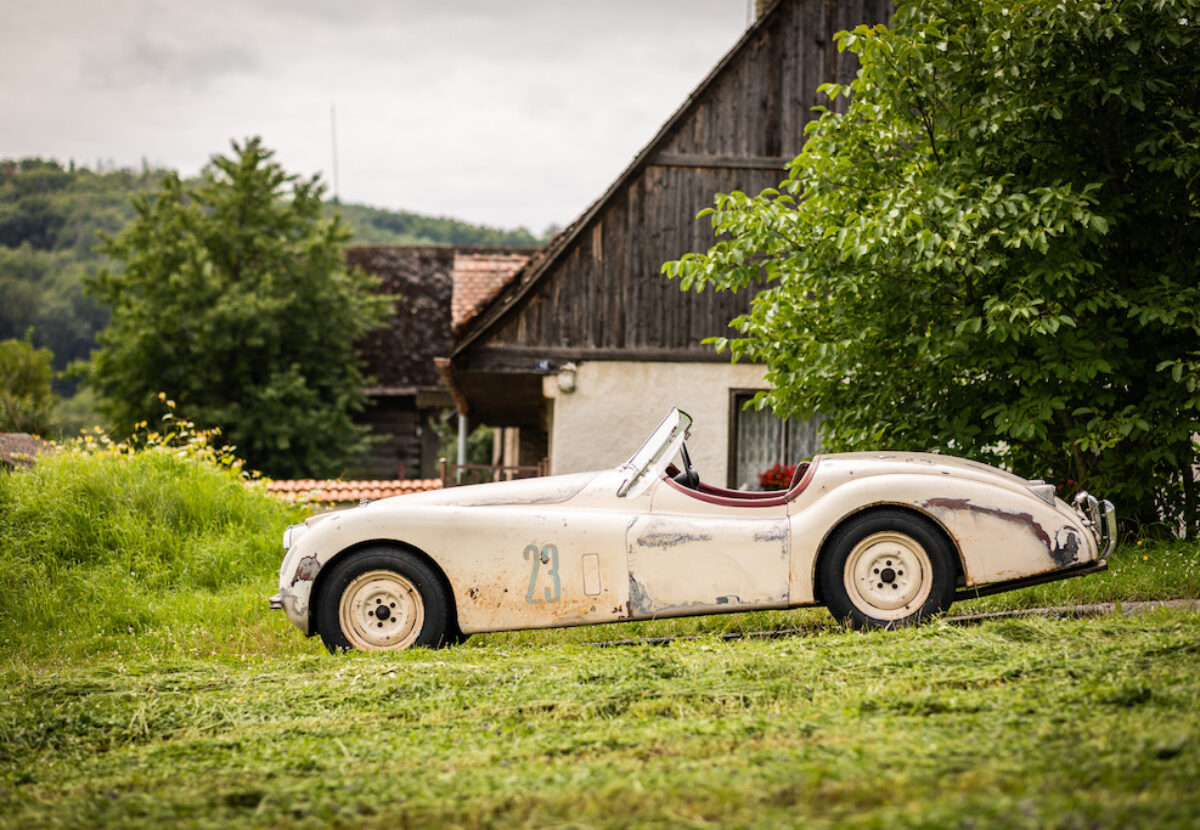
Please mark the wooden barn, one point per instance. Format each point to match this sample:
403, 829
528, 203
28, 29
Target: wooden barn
434, 287
588, 345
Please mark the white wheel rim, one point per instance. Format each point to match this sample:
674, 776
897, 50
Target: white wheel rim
888, 554
381, 610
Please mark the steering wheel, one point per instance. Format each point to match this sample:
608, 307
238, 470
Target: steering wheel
689, 478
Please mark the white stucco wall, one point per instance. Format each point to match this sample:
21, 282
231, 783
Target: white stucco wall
616, 404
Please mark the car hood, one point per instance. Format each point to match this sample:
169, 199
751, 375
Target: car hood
543, 490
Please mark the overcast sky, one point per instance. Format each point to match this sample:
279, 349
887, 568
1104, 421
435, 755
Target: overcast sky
503, 112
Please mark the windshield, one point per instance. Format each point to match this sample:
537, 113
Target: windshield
649, 462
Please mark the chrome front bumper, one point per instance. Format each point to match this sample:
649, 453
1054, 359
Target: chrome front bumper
1101, 518
276, 602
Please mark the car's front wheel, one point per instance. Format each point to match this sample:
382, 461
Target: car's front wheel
885, 569
380, 599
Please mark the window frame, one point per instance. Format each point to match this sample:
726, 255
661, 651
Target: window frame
737, 398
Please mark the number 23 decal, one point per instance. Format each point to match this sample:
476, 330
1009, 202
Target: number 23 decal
546, 555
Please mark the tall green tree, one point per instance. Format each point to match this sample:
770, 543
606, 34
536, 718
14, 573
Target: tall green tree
995, 251
235, 302
26, 403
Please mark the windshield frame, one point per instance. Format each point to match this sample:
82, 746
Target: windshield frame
646, 465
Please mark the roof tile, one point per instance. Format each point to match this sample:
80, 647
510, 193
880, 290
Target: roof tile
337, 490
478, 277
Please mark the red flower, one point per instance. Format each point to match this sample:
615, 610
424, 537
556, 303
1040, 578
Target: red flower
778, 477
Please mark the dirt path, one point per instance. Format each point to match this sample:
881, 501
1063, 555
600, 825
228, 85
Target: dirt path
1129, 609
1059, 612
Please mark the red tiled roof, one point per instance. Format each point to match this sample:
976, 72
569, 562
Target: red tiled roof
478, 277
336, 490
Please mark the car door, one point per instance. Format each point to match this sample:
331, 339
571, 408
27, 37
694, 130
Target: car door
694, 553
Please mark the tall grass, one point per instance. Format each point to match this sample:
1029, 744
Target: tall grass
103, 545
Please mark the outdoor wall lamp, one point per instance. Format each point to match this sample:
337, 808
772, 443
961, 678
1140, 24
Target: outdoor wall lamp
566, 377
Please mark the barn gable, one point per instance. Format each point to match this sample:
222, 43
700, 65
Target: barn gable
596, 291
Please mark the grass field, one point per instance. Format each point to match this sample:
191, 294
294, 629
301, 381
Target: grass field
145, 683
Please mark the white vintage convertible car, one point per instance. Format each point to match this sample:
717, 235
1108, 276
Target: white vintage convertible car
880, 538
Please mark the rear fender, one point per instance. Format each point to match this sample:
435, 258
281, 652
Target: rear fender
999, 533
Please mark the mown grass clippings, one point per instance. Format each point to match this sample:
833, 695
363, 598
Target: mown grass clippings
1080, 722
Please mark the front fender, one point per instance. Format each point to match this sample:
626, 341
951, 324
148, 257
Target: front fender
484, 552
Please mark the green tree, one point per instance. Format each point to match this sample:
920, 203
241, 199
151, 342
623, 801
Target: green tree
26, 403
995, 251
235, 302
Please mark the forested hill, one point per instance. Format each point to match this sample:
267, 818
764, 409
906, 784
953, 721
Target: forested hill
50, 218
378, 226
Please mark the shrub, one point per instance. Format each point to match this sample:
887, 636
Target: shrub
26, 403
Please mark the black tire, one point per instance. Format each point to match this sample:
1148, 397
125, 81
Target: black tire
453, 635
455, 638
381, 599
860, 554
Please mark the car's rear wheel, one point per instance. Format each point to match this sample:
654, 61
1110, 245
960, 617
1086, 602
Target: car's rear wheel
381, 599
887, 568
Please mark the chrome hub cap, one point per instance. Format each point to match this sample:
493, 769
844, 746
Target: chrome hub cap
381, 610
888, 575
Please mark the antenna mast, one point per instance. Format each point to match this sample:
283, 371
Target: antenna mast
333, 135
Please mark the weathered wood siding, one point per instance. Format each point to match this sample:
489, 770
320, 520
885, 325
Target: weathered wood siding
399, 357
399, 429
605, 293
764, 98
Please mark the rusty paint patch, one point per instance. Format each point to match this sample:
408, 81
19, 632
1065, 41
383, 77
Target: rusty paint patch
682, 609
778, 533
670, 540
292, 604
639, 600
1024, 519
1066, 546
307, 568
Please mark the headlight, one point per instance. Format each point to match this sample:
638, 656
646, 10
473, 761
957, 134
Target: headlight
1043, 491
292, 535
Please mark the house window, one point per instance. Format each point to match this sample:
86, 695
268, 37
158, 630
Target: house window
758, 440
